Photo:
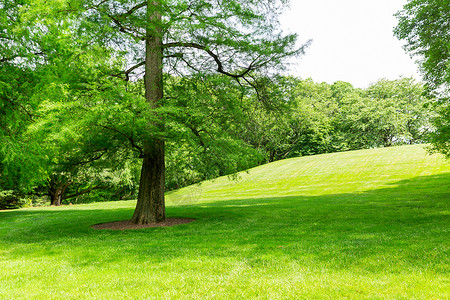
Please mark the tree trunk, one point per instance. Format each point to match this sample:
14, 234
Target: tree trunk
56, 189
150, 205
56, 196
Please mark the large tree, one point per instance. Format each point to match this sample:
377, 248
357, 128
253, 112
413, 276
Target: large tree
424, 26
239, 39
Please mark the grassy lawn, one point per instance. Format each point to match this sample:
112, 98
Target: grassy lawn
363, 224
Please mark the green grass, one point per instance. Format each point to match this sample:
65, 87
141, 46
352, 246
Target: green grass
370, 224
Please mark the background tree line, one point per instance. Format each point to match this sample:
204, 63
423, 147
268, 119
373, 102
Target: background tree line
319, 118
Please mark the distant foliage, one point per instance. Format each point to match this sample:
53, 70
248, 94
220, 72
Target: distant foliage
321, 118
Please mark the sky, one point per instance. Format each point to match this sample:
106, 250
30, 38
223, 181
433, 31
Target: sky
353, 41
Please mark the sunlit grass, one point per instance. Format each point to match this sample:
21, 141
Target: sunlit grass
366, 224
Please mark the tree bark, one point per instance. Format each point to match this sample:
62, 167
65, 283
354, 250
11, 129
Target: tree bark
150, 205
56, 196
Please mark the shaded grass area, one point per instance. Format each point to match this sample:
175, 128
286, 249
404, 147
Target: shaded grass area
390, 242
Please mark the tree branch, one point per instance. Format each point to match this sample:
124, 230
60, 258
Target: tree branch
6, 59
197, 134
135, 8
127, 72
90, 160
30, 115
130, 139
134, 34
220, 68
84, 192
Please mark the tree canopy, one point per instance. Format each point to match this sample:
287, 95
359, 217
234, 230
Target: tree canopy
424, 26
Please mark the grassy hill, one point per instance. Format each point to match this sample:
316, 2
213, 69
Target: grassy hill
334, 173
363, 224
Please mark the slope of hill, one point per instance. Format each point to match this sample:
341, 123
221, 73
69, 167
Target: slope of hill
334, 173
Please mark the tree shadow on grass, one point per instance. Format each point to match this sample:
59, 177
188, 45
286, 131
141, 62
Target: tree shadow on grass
404, 224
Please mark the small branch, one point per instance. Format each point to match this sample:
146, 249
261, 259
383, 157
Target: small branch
30, 115
6, 59
258, 94
133, 9
130, 139
190, 66
134, 67
134, 34
197, 134
90, 160
117, 22
84, 192
102, 2
127, 72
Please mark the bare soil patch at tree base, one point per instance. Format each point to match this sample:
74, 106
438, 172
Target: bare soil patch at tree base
127, 225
